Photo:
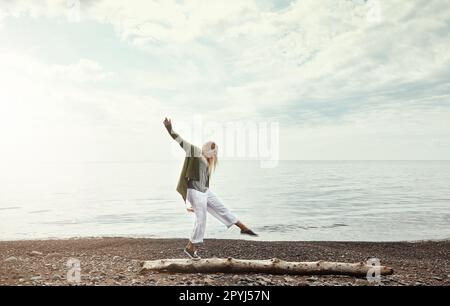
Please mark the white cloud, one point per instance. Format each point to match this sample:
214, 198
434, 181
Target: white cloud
40, 8
83, 71
168, 21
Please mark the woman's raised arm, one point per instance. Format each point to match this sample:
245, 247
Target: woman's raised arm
187, 147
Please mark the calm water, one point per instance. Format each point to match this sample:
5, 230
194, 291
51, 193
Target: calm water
376, 201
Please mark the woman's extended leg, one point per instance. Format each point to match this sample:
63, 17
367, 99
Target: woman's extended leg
217, 209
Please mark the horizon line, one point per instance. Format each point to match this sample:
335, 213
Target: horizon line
227, 160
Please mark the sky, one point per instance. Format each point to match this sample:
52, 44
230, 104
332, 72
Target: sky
91, 81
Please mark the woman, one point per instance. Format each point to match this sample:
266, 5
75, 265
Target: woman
193, 185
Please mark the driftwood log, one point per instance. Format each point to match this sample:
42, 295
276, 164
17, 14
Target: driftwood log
271, 266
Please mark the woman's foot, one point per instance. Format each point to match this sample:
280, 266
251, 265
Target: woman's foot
192, 254
245, 230
248, 232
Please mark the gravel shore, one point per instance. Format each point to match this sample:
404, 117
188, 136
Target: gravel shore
117, 261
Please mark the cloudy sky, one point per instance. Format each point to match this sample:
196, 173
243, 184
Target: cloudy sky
344, 79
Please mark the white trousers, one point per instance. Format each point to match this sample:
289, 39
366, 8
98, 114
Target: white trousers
203, 203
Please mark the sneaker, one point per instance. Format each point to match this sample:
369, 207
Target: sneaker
192, 255
248, 232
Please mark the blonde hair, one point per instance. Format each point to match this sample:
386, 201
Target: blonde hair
209, 151
212, 164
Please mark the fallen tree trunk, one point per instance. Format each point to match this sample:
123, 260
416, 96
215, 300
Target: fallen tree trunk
271, 266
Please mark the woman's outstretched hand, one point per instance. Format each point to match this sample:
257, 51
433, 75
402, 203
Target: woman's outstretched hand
168, 124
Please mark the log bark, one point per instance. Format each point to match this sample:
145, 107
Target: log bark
271, 266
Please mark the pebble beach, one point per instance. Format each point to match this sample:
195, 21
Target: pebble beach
117, 262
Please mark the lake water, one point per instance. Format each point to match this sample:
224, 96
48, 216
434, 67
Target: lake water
298, 200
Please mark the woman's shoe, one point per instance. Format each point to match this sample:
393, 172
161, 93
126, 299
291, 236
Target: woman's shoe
192, 254
248, 232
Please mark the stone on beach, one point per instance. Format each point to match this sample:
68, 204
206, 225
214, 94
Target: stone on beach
10, 259
35, 253
53, 255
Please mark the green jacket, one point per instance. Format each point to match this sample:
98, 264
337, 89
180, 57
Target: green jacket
191, 165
